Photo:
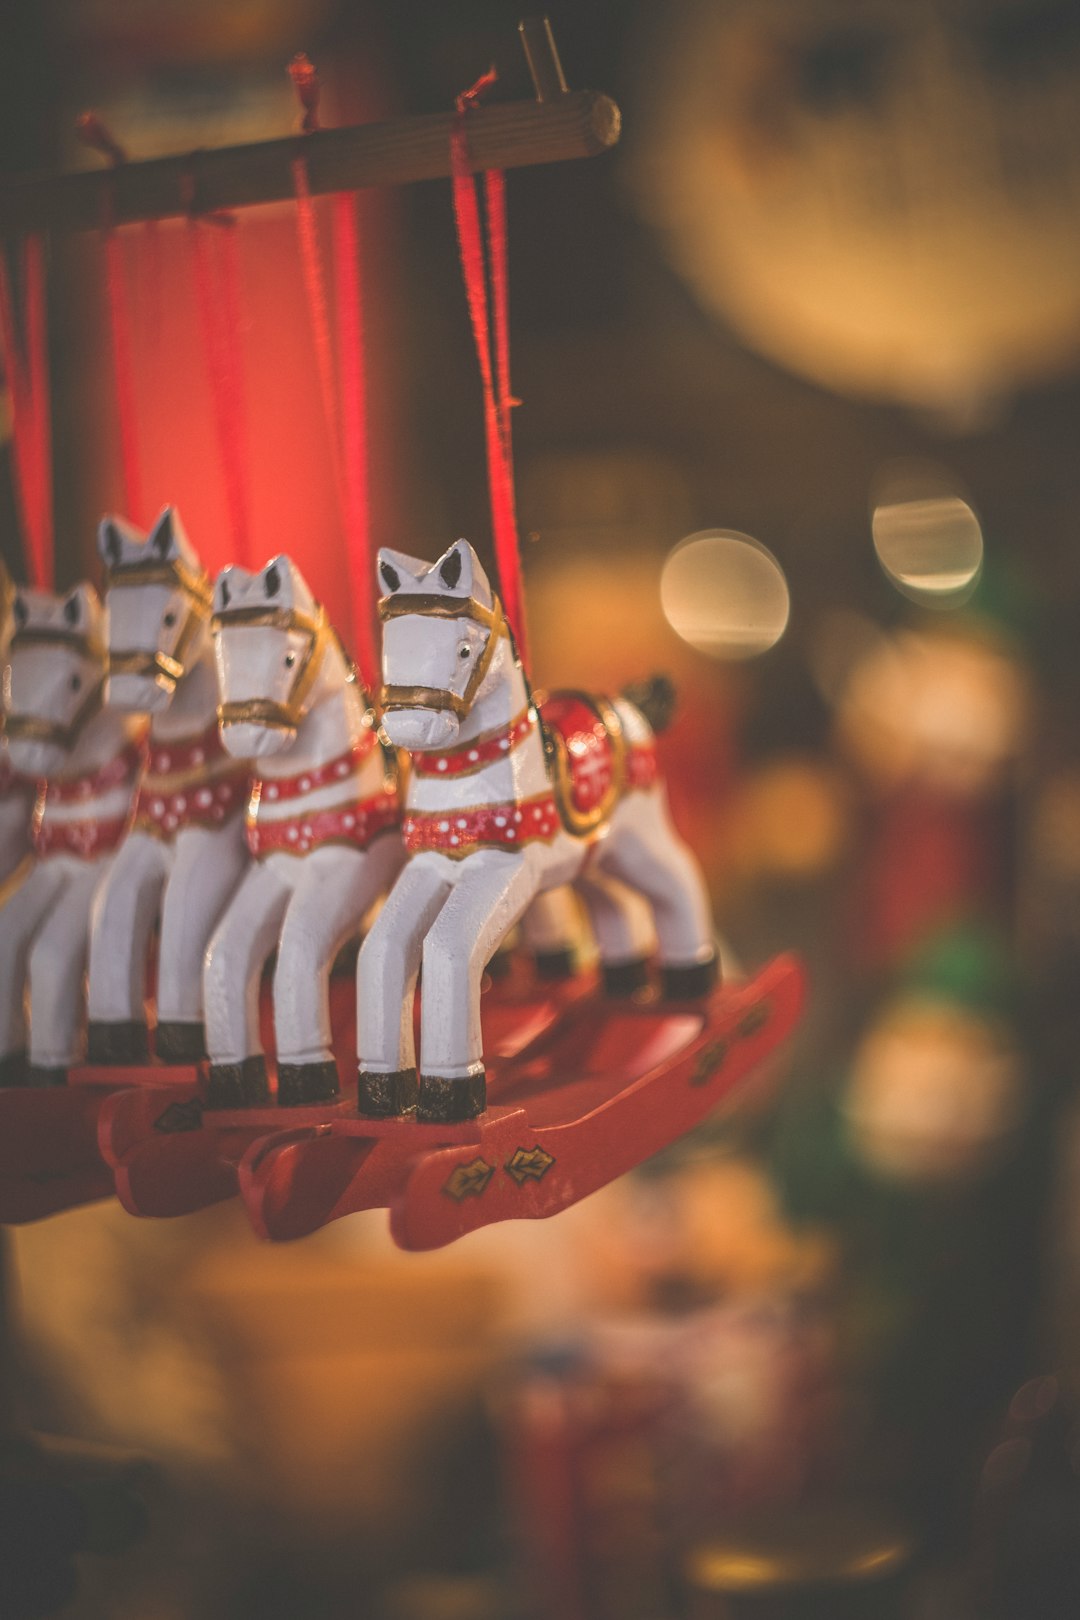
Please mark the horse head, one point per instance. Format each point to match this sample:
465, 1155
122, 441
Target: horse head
54, 677
158, 602
442, 624
270, 638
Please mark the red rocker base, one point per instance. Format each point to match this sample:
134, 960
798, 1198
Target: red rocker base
637, 1077
169, 1155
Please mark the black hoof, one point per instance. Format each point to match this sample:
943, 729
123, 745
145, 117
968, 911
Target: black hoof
383, 1095
690, 983
176, 1042
237, 1085
448, 1102
305, 1083
622, 980
42, 1076
120, 1042
13, 1069
555, 965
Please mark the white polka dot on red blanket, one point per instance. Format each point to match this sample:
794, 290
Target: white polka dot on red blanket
203, 798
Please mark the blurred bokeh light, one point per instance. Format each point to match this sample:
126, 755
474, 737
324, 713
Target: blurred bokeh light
927, 538
725, 594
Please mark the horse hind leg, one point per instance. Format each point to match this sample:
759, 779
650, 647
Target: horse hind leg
645, 852
551, 932
622, 926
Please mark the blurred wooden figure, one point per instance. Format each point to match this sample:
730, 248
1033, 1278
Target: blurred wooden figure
185, 852
88, 759
322, 827
17, 793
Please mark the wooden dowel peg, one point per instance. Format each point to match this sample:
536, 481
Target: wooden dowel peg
542, 55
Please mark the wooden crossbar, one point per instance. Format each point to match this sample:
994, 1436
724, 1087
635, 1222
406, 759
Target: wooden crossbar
560, 124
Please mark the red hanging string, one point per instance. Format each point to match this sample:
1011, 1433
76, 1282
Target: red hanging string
354, 431
345, 417
94, 133
37, 343
219, 294
492, 341
28, 384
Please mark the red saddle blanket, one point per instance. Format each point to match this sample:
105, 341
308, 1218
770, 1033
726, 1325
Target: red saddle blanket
601, 764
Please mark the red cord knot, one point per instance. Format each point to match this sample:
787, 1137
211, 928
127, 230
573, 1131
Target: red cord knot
308, 89
473, 96
93, 133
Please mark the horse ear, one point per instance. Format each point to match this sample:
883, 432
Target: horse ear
450, 568
458, 572
394, 570
110, 545
163, 538
73, 608
223, 589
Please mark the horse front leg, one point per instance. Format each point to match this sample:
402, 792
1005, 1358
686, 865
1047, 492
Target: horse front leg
238, 951
21, 916
489, 897
57, 970
386, 973
207, 867
122, 921
336, 887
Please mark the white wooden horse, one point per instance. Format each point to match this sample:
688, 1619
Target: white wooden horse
323, 827
185, 853
496, 813
17, 794
88, 760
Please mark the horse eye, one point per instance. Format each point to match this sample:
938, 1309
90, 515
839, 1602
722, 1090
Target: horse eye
464, 651
76, 682
290, 660
169, 620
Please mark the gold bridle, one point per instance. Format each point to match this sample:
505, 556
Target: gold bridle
34, 728
284, 716
164, 668
444, 607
